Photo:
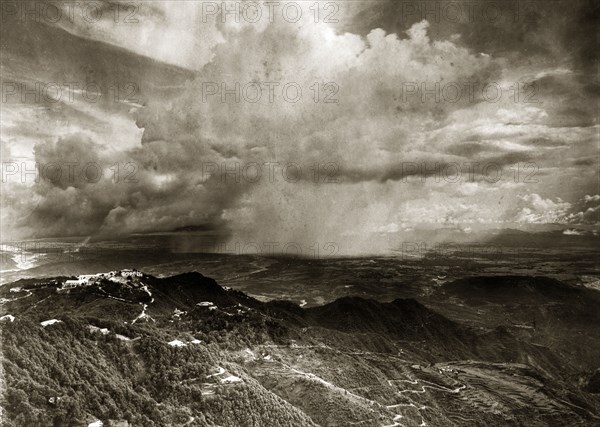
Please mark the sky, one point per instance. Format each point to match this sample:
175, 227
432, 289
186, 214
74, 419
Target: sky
298, 121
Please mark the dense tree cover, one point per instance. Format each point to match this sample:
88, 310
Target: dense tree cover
82, 372
62, 374
340, 364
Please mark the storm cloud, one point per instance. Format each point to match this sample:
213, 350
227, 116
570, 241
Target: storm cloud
302, 131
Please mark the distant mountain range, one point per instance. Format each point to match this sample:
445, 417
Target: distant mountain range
127, 348
549, 236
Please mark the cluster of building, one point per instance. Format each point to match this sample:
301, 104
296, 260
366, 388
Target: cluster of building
88, 279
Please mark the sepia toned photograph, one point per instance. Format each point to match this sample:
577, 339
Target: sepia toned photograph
299, 213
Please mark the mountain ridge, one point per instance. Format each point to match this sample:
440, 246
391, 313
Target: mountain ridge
186, 346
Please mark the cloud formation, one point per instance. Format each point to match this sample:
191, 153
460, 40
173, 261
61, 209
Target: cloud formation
423, 129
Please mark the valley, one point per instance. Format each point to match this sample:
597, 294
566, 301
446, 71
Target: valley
180, 350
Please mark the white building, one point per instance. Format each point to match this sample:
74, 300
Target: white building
82, 280
132, 273
88, 279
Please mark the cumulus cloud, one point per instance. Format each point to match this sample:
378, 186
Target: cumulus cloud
367, 136
356, 155
534, 209
573, 232
585, 211
537, 210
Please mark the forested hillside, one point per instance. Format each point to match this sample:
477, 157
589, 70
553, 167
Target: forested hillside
132, 349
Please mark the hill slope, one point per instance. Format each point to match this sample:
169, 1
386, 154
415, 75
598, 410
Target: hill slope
132, 349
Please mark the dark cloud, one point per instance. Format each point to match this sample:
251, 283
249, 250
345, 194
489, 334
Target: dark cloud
581, 36
518, 31
380, 140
